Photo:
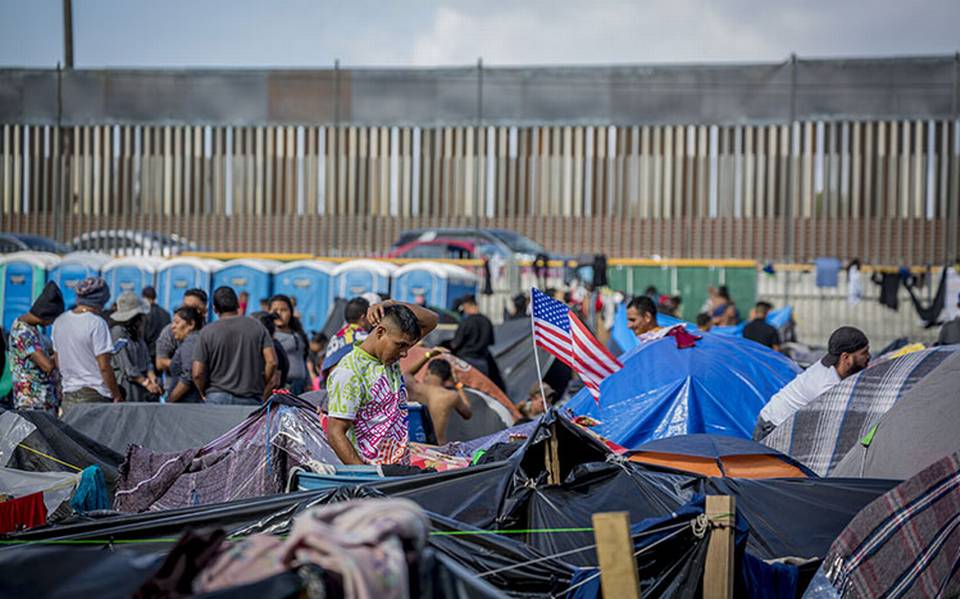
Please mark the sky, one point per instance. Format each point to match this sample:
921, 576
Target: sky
312, 34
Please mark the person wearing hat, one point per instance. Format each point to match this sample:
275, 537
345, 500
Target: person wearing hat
137, 378
82, 343
848, 352
950, 331
32, 363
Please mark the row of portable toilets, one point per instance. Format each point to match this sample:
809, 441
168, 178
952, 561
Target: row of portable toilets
314, 284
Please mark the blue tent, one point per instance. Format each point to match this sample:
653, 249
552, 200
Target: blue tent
717, 387
439, 284
22, 277
129, 274
309, 282
74, 268
178, 275
253, 276
354, 278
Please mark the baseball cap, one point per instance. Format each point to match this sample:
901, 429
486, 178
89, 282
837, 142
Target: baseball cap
844, 340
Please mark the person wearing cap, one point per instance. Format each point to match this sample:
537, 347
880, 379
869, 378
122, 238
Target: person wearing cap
950, 331
137, 379
32, 363
83, 347
848, 352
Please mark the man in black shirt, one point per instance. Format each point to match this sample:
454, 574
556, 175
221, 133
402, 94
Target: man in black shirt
471, 343
156, 320
758, 330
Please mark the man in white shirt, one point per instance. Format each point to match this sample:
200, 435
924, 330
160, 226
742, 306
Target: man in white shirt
848, 352
81, 340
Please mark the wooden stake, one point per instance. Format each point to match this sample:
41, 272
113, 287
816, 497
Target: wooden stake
618, 568
718, 572
551, 457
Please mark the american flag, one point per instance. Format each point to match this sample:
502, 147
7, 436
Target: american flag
558, 331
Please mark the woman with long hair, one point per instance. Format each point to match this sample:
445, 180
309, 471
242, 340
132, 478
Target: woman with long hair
290, 334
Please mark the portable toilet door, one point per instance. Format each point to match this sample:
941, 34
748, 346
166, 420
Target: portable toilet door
309, 282
24, 275
252, 276
129, 274
354, 278
427, 280
74, 268
177, 275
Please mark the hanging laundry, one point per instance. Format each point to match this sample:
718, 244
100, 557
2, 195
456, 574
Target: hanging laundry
951, 310
929, 314
854, 283
828, 271
889, 286
22, 513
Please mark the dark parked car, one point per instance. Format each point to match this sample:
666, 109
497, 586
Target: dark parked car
508, 244
19, 242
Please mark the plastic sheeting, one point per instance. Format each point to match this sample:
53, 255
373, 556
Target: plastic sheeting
57, 487
717, 387
13, 430
160, 427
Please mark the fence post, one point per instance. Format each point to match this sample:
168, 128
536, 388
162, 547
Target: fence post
618, 568
718, 572
551, 456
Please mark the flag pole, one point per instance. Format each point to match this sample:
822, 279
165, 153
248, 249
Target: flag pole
536, 354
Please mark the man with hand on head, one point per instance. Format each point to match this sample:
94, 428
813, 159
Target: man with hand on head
367, 393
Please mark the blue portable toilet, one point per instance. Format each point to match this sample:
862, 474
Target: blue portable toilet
132, 273
177, 275
309, 282
74, 268
440, 284
253, 276
354, 278
24, 275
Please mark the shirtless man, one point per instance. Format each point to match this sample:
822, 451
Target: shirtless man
442, 393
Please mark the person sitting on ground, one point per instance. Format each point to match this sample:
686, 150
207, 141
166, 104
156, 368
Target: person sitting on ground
167, 343
32, 364
269, 322
442, 393
473, 338
187, 323
234, 356
758, 330
704, 322
355, 328
848, 352
950, 331
137, 378
83, 348
293, 340
642, 315
156, 320
367, 391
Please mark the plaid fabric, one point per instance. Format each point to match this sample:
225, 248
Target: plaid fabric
906, 543
820, 434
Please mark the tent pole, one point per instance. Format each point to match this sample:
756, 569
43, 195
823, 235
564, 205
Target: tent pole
618, 568
718, 571
536, 355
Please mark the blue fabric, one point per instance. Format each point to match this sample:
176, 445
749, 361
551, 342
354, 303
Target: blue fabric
828, 271
91, 493
717, 387
224, 398
761, 580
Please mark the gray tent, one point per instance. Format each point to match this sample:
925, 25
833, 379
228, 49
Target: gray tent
918, 430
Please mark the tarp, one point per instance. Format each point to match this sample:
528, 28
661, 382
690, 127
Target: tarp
719, 455
821, 433
906, 543
57, 487
255, 458
160, 427
717, 387
56, 447
921, 428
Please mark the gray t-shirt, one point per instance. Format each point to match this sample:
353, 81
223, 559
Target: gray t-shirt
181, 367
294, 347
165, 348
232, 349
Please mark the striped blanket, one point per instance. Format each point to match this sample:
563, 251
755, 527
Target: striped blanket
820, 434
906, 543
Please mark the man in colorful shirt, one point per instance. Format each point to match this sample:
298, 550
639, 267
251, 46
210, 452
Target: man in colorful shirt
355, 329
32, 365
367, 393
